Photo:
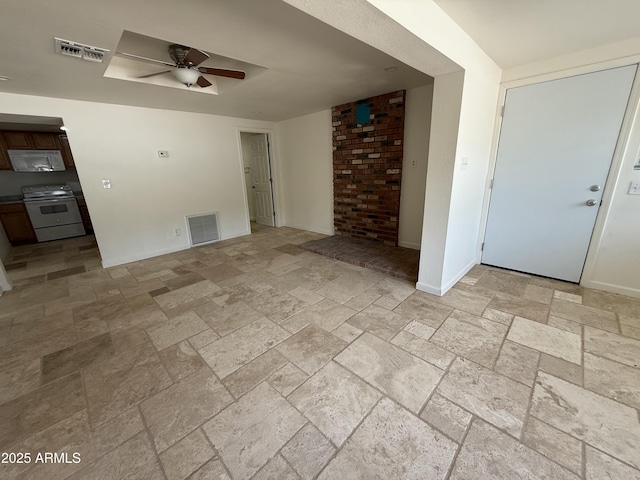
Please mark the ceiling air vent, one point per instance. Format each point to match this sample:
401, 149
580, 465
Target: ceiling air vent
79, 50
203, 228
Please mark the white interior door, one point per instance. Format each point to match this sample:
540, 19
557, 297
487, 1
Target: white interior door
261, 176
555, 150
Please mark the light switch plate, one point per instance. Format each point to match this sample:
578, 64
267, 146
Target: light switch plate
106, 183
634, 188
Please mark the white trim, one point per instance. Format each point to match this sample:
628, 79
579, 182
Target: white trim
609, 287
309, 229
411, 245
114, 262
440, 291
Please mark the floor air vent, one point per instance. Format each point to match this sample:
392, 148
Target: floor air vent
203, 228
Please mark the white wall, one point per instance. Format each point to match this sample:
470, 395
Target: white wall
150, 196
306, 169
417, 124
613, 261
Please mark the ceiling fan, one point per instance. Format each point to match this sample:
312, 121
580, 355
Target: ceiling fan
185, 66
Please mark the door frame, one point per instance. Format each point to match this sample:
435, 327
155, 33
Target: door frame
616, 162
273, 167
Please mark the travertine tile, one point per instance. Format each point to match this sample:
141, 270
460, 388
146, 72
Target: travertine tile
277, 469
133, 459
388, 368
311, 348
503, 282
427, 351
544, 338
447, 417
539, 294
419, 330
386, 303
422, 307
227, 318
586, 315
554, 444
308, 452
182, 407
612, 379
611, 301
498, 316
473, 337
569, 297
180, 360
335, 400
176, 329
488, 453
518, 362
614, 347
629, 331
252, 430
326, 314
186, 456
363, 300
26, 415
599, 421
564, 324
601, 466
305, 295
393, 288
254, 372
348, 286
522, 307
557, 367
379, 321
80, 355
390, 444
466, 301
123, 380
186, 294
287, 379
275, 305
493, 397
347, 332
203, 339
229, 353
212, 470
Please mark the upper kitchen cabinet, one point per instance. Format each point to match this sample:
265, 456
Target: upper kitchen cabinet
67, 156
31, 140
5, 164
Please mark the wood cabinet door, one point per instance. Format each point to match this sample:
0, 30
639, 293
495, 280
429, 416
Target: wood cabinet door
67, 156
18, 227
5, 164
45, 141
18, 140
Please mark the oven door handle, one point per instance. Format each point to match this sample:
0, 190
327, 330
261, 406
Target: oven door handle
48, 200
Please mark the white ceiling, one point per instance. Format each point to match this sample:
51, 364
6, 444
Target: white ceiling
517, 32
307, 65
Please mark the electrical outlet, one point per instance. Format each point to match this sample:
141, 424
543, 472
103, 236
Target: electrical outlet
106, 183
634, 188
414, 163
163, 153
178, 232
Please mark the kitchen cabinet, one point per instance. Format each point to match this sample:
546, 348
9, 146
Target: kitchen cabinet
5, 164
67, 156
16, 224
84, 213
31, 140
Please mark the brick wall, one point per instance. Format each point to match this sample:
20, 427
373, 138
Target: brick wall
367, 168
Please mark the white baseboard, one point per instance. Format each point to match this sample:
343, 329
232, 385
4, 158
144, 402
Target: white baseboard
609, 287
411, 245
440, 291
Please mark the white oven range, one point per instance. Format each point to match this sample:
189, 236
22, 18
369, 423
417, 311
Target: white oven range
53, 211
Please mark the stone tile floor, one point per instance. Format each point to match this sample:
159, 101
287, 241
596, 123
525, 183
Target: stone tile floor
252, 358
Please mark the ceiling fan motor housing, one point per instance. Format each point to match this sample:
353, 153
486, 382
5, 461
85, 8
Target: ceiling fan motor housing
178, 52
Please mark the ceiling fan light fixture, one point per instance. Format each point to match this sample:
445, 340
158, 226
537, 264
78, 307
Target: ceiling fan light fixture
188, 76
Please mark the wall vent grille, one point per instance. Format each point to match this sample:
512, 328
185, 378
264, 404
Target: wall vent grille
203, 228
78, 50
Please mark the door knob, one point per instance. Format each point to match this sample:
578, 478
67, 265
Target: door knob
595, 188
591, 202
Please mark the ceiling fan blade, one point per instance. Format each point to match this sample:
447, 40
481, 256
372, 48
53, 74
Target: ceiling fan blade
221, 72
154, 74
203, 82
194, 57
144, 59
